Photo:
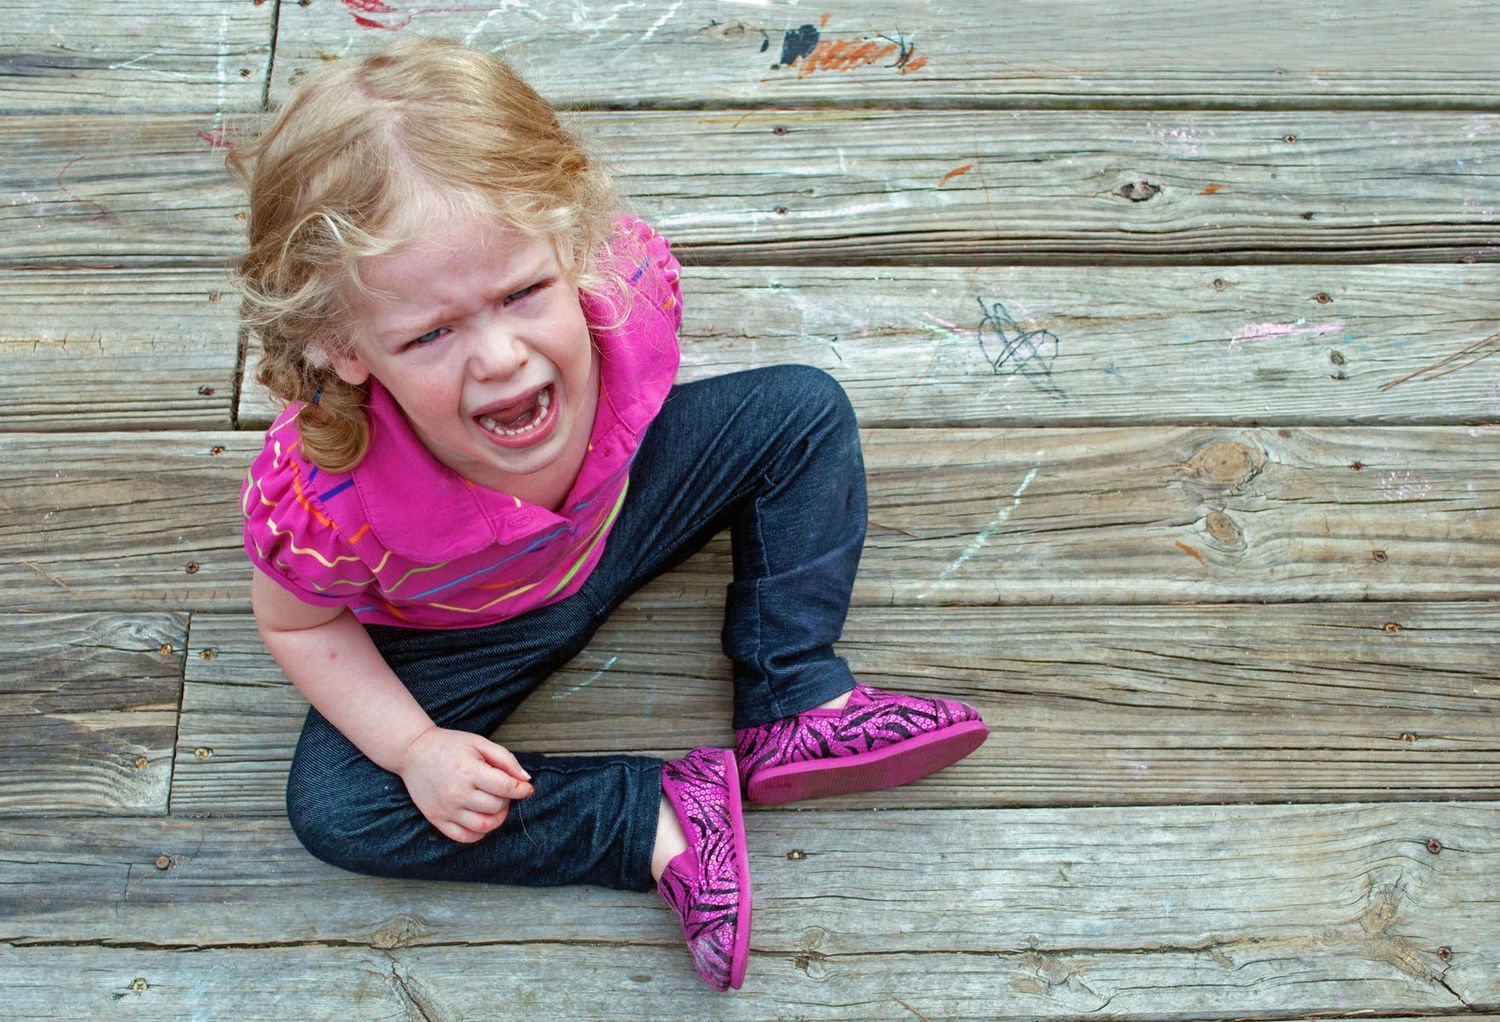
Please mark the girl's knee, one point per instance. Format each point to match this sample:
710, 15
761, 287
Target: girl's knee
336, 830
812, 392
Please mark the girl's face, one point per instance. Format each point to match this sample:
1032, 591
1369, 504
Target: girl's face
479, 336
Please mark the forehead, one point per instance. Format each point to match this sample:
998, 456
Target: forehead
445, 261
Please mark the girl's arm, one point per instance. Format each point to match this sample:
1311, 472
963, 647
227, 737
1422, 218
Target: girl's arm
462, 782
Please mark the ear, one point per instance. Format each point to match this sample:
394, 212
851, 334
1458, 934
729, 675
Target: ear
346, 363
350, 368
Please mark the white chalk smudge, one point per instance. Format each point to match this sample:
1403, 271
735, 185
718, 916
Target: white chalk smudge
1271, 331
662, 21
988, 532
586, 682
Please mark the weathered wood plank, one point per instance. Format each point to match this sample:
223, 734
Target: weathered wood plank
79, 56
1166, 912
127, 349
863, 186
606, 984
1130, 706
1038, 346
88, 711
98, 192
957, 516
1153, 54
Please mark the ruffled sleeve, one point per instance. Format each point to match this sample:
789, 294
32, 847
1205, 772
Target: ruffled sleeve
661, 284
289, 534
637, 339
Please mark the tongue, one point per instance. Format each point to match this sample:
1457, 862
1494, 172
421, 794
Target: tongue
521, 418
516, 415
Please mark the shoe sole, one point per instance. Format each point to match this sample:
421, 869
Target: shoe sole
741, 956
889, 767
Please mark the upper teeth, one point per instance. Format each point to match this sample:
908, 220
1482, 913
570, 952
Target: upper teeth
543, 402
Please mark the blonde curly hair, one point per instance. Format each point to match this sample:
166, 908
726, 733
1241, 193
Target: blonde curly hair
354, 164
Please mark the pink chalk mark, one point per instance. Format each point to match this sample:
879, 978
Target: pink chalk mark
943, 322
1270, 331
103, 212
215, 139
360, 11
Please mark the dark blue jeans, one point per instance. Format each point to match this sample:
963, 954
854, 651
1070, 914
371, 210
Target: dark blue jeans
771, 454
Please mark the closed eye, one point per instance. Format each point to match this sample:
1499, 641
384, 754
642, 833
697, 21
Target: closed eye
527, 291
427, 338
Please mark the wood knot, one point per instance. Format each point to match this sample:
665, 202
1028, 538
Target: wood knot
1222, 528
1138, 191
1225, 463
399, 932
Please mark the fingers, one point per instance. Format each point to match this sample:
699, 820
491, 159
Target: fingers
483, 803
500, 756
499, 784
508, 779
467, 827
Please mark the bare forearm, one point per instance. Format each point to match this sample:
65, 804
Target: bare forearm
340, 672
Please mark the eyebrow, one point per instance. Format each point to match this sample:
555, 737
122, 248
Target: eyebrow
405, 330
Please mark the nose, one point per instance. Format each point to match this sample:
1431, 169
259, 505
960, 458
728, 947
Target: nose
496, 351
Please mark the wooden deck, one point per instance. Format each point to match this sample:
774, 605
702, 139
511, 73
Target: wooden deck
1173, 330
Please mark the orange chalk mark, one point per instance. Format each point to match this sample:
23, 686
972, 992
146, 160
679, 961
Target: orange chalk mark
955, 172
823, 21
843, 54
915, 64
1189, 550
1213, 187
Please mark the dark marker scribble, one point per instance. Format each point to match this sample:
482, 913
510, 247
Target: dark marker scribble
904, 49
798, 42
1012, 351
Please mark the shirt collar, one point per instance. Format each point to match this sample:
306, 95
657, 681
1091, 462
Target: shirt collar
423, 511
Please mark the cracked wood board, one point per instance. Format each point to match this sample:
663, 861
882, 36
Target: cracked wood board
88, 711
81, 56
1152, 54
1048, 346
615, 983
1125, 706
1213, 912
126, 349
862, 186
957, 516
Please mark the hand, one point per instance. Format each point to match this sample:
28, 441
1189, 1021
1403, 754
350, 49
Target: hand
461, 782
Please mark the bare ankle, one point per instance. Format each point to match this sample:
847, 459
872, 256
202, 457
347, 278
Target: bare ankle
670, 840
837, 702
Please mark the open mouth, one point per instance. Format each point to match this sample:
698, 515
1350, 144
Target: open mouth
521, 419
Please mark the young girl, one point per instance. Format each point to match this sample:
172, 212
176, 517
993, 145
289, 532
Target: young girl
483, 453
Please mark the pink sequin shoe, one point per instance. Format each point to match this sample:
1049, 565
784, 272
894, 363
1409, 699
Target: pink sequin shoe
708, 886
878, 740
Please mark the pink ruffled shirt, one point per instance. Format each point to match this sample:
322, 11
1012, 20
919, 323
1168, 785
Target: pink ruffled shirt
404, 540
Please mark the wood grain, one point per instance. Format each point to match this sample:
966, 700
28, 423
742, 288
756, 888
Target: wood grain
1125, 706
1050, 346
88, 711
86, 350
80, 56
1170, 330
1033, 913
626, 984
864, 187
957, 516
1144, 55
